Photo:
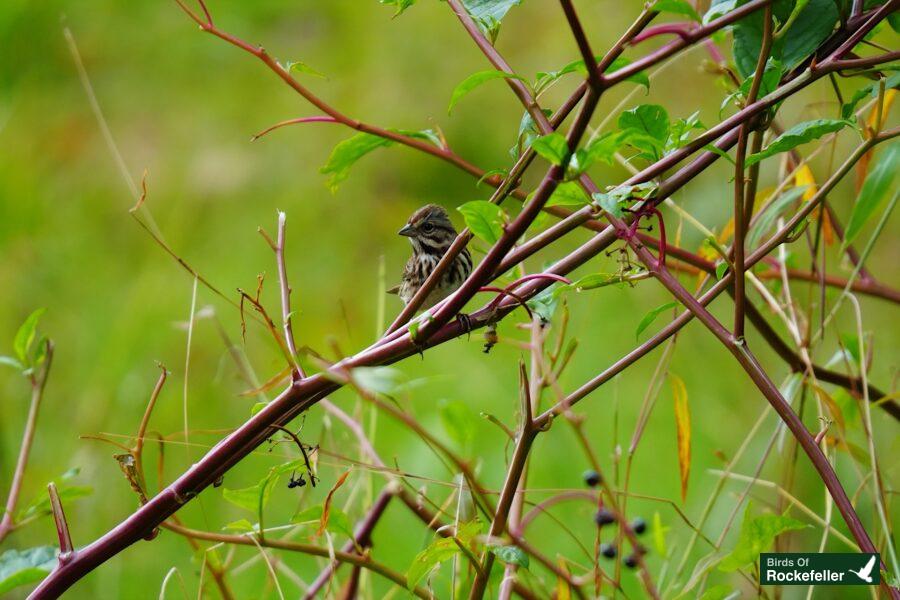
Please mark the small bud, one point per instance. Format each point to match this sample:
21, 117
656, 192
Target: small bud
608, 550
604, 517
639, 525
592, 478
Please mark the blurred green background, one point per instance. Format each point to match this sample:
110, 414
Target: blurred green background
183, 106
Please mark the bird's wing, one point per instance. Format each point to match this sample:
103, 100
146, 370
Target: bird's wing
866, 570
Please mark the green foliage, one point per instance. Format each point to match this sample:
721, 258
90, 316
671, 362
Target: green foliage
484, 219
718, 8
678, 7
801, 133
568, 193
871, 90
544, 80
757, 535
26, 357
27, 566
68, 491
874, 189
399, 5
617, 199
488, 14
511, 555
647, 127
440, 550
808, 30
553, 147
770, 214
345, 155
648, 319
255, 497
475, 80
592, 282
377, 380
302, 67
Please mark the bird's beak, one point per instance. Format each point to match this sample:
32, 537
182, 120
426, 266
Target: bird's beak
407, 230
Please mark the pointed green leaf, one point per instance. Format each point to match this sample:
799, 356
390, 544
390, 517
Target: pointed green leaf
302, 67
473, 81
484, 219
9, 361
25, 335
651, 316
400, 5
511, 555
757, 535
678, 7
874, 189
27, 566
553, 147
568, 193
801, 133
345, 155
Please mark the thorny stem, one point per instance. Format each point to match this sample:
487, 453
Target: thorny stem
62, 526
38, 383
285, 288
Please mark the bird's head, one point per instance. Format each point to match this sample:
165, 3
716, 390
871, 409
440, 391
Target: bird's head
429, 229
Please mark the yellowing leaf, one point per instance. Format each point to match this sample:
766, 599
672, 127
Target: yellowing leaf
326, 508
683, 431
562, 586
873, 114
804, 177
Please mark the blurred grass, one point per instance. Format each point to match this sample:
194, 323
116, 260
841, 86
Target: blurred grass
183, 106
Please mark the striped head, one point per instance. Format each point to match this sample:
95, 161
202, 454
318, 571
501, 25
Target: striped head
429, 230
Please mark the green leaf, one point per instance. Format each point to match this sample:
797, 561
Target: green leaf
484, 219
9, 361
814, 24
591, 282
801, 133
40, 505
302, 67
400, 5
28, 566
511, 555
874, 189
473, 81
617, 199
528, 132
488, 14
380, 380
647, 128
680, 132
25, 335
757, 535
602, 148
719, 8
679, 7
459, 421
658, 534
651, 316
544, 80
242, 525
871, 90
770, 214
438, 551
544, 304
249, 498
552, 147
568, 193
720, 269
345, 155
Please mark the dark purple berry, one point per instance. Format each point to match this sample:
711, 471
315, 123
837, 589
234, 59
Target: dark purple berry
592, 478
639, 526
608, 550
604, 517
631, 561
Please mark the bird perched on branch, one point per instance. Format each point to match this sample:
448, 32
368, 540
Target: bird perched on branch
431, 234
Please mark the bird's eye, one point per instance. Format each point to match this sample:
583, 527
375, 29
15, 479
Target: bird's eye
427, 227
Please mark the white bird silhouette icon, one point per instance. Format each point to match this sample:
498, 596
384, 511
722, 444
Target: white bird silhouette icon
866, 572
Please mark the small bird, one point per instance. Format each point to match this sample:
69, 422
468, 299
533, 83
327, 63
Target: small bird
866, 572
431, 234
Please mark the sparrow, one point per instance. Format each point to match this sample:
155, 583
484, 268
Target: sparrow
431, 234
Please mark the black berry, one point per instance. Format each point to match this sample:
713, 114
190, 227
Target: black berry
639, 526
592, 478
604, 517
608, 550
631, 561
